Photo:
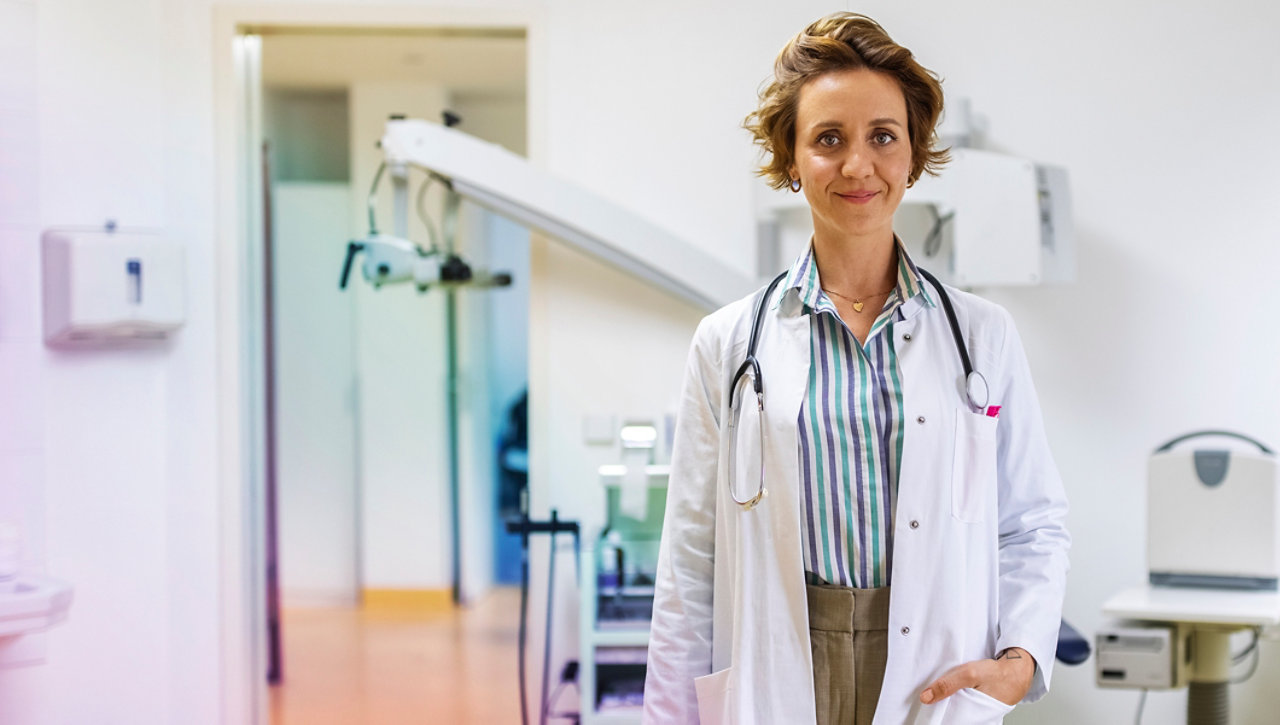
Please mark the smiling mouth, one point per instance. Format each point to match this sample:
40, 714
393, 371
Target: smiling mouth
859, 197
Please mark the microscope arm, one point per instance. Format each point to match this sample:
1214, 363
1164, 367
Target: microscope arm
507, 184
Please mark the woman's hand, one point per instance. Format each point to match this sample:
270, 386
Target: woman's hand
1006, 678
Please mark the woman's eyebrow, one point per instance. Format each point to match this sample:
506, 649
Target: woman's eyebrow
839, 124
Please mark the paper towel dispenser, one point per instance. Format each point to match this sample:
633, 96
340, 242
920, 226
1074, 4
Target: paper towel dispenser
109, 286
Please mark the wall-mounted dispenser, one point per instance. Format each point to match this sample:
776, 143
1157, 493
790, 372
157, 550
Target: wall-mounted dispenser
109, 286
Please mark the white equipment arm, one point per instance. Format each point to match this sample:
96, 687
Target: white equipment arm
507, 184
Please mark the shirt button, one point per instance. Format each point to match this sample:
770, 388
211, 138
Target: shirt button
920, 419
915, 524
906, 631
907, 337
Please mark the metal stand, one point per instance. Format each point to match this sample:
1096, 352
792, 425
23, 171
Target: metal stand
526, 526
1208, 703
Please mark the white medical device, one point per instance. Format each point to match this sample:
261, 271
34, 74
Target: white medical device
1148, 656
998, 220
108, 286
1213, 516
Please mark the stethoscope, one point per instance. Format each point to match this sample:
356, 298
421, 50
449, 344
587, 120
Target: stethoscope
975, 385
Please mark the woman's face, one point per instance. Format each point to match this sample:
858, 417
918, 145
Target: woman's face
852, 153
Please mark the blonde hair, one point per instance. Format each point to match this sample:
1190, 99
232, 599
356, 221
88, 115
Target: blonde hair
844, 41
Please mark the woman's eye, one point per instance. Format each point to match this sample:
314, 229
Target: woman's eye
828, 140
884, 138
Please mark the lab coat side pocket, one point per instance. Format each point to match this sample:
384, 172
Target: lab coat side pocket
974, 707
973, 472
713, 697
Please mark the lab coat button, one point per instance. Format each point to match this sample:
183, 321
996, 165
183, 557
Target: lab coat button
906, 631
920, 419
915, 524
906, 337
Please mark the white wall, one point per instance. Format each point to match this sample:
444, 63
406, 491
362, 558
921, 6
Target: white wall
21, 442
22, 400
1162, 114
315, 389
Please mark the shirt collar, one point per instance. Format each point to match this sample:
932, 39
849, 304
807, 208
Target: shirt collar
803, 284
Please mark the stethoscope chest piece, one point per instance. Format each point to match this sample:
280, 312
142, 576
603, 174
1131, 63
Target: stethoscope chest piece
753, 501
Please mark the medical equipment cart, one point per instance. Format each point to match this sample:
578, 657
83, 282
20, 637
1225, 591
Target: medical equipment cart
617, 603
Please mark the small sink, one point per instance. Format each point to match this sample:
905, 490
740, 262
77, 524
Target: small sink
36, 604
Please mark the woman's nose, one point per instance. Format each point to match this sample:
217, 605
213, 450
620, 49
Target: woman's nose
857, 163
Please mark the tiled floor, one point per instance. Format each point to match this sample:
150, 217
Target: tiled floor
351, 667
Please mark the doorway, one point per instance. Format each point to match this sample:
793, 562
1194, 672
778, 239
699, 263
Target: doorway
362, 535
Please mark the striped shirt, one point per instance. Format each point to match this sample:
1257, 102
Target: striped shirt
850, 432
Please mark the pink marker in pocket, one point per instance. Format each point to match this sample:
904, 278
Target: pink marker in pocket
993, 411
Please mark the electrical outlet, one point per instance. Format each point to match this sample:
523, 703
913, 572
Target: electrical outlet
600, 430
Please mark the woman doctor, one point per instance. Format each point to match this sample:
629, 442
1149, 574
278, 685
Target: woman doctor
867, 539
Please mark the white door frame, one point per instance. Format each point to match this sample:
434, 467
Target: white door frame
242, 668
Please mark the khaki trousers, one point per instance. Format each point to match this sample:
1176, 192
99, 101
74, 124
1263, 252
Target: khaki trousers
849, 632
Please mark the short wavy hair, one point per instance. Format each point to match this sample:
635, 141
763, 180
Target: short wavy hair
844, 41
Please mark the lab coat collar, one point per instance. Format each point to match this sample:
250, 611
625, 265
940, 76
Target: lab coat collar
911, 285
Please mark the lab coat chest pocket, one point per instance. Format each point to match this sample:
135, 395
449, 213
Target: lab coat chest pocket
973, 472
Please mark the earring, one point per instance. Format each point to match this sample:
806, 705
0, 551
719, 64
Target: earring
795, 185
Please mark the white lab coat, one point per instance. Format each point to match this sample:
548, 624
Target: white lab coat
980, 544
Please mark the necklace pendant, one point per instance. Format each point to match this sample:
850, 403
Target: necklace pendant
857, 306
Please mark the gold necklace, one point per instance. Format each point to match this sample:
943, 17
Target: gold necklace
857, 303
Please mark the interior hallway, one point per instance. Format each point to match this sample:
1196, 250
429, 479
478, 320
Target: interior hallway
347, 666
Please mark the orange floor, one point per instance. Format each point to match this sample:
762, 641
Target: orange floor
347, 666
